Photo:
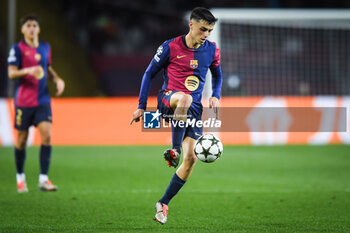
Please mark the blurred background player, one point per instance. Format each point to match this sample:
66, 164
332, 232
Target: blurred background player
29, 63
185, 60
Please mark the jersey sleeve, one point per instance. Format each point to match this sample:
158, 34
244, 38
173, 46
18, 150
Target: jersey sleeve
162, 55
49, 57
216, 61
216, 81
159, 60
216, 73
14, 57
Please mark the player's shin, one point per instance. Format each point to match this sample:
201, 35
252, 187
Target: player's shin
175, 185
185, 170
178, 133
20, 156
45, 158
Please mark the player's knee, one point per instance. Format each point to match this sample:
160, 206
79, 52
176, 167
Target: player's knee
21, 144
190, 160
186, 100
21, 141
46, 139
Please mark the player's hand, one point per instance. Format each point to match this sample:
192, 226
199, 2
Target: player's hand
214, 104
35, 71
60, 86
137, 116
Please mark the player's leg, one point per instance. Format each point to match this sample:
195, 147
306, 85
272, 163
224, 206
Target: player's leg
185, 170
43, 118
179, 179
45, 156
45, 149
20, 156
23, 120
180, 102
167, 104
173, 155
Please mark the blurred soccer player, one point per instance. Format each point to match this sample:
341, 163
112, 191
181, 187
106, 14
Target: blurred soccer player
29, 63
185, 60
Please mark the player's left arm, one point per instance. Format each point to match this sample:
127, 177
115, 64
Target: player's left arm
216, 74
57, 80
54, 76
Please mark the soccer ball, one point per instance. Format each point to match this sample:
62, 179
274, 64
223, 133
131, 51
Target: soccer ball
208, 148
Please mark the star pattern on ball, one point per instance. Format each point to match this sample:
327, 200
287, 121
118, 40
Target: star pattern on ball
206, 152
213, 141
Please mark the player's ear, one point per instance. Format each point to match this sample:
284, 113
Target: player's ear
190, 24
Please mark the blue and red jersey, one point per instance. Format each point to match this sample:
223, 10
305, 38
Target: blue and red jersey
185, 69
31, 92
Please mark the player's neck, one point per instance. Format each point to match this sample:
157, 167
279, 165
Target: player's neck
189, 42
32, 42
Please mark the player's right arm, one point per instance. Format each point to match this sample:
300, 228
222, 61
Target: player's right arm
159, 60
14, 61
14, 72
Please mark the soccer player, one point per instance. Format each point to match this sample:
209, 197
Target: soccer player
29, 63
185, 60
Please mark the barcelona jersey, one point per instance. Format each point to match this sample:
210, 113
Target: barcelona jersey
31, 91
184, 69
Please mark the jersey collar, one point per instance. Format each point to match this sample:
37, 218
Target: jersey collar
192, 49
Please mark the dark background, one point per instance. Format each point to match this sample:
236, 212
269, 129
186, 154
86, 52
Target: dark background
102, 47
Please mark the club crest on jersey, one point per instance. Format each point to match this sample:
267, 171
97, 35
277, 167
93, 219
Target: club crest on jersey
193, 64
37, 57
191, 83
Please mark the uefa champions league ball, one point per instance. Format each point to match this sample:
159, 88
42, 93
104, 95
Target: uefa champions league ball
208, 148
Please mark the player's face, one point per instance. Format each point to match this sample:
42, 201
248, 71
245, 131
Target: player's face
31, 29
200, 30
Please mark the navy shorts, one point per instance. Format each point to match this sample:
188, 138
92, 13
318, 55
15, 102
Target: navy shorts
194, 112
25, 117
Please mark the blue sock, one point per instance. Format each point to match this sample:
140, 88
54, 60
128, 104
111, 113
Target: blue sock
20, 157
175, 185
178, 134
45, 157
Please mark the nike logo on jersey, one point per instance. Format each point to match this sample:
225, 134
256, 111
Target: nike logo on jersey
178, 57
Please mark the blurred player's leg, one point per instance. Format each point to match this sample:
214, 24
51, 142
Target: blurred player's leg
45, 157
20, 156
178, 180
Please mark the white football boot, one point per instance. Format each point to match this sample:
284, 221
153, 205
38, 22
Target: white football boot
161, 213
22, 187
47, 186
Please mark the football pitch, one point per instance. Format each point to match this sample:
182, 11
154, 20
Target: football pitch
114, 189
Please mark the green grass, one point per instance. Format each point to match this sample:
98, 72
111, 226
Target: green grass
114, 189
